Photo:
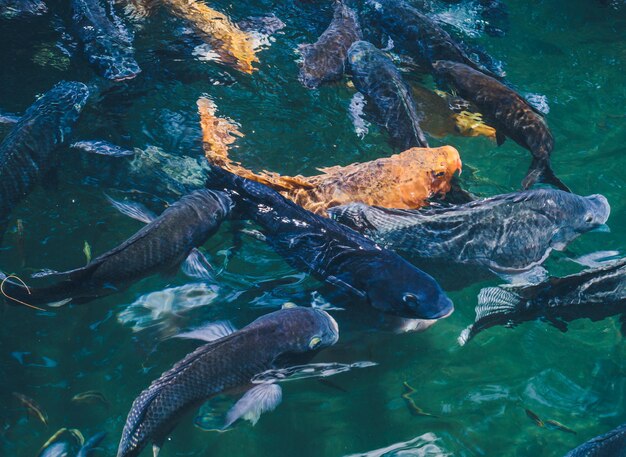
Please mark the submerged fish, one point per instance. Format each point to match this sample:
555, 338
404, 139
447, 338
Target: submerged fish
91, 445
32, 407
234, 46
160, 247
376, 77
509, 113
595, 293
90, 396
325, 60
107, 43
404, 180
57, 449
227, 363
611, 444
27, 153
334, 253
508, 233
417, 34
22, 8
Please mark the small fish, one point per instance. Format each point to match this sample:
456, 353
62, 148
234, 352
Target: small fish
413, 408
552, 424
87, 251
58, 449
90, 396
32, 407
611, 444
49, 450
538, 422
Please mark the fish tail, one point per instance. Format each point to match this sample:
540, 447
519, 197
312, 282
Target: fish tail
541, 171
494, 305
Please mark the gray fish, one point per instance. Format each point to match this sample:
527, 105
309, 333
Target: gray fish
27, 153
508, 233
22, 8
376, 77
107, 43
509, 113
58, 449
611, 444
325, 60
228, 362
335, 254
595, 293
159, 247
91, 444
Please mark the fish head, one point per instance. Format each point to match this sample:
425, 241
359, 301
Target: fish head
401, 289
361, 55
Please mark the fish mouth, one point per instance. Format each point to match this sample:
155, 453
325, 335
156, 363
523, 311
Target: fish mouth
446, 309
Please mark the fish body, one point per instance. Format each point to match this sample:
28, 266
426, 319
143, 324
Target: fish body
417, 34
223, 365
159, 247
376, 77
325, 60
594, 293
335, 254
107, 43
507, 233
58, 449
22, 8
509, 113
611, 444
90, 445
27, 153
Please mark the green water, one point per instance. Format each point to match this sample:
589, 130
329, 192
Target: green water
571, 51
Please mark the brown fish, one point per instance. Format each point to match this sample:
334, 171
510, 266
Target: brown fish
404, 180
538, 422
32, 407
509, 113
234, 46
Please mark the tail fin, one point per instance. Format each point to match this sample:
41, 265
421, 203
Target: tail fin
541, 171
494, 306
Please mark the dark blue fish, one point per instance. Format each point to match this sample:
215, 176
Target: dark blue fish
28, 152
22, 8
159, 247
595, 293
229, 362
107, 43
376, 77
611, 444
335, 254
90, 445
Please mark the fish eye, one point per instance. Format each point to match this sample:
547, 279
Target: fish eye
589, 219
315, 342
440, 174
410, 299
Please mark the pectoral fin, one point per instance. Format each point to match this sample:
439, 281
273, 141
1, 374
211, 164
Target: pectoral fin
259, 399
500, 138
133, 209
334, 280
197, 265
209, 332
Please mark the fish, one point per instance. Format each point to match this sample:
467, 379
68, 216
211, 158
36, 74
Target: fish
107, 42
510, 114
594, 293
166, 242
378, 79
552, 424
58, 449
91, 444
325, 60
405, 180
413, 408
87, 251
22, 8
507, 234
538, 422
234, 46
28, 152
611, 444
228, 362
417, 34
32, 407
333, 253
90, 396
55, 448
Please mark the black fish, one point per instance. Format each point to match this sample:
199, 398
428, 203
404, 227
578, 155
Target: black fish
27, 154
508, 233
22, 8
376, 77
611, 444
417, 34
107, 43
334, 253
325, 60
159, 247
509, 113
227, 363
594, 293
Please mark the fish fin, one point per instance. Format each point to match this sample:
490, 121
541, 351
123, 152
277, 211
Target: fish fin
155, 450
133, 209
495, 300
335, 281
101, 148
500, 138
557, 323
595, 259
8, 119
541, 171
256, 401
45, 273
209, 332
535, 275
58, 304
197, 266
254, 234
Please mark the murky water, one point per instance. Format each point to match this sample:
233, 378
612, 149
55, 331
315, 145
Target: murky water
571, 52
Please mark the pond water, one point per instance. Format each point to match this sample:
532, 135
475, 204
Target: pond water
571, 52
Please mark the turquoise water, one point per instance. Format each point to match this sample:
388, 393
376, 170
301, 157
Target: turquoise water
572, 52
